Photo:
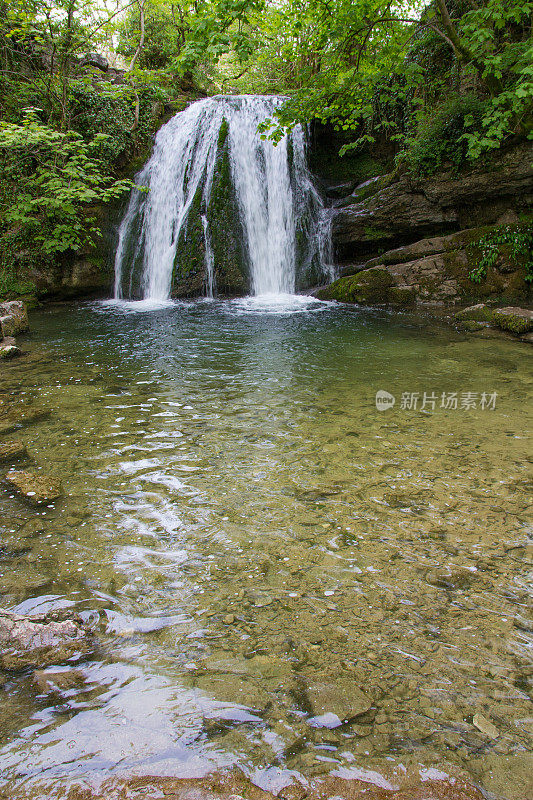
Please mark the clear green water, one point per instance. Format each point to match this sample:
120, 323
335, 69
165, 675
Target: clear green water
252, 539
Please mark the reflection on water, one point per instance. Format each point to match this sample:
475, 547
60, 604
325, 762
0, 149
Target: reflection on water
265, 554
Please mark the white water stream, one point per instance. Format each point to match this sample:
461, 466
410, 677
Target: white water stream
273, 187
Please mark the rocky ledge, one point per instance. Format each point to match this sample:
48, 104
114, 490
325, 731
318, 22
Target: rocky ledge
398, 209
433, 272
518, 321
441, 241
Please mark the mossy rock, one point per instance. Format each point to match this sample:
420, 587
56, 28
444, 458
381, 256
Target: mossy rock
225, 227
477, 313
471, 326
188, 279
368, 287
514, 320
402, 296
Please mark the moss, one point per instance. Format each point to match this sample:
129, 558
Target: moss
189, 264
340, 290
223, 133
225, 228
471, 326
376, 234
478, 313
514, 323
402, 296
370, 188
370, 286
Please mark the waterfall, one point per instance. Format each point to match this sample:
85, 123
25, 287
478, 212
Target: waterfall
269, 218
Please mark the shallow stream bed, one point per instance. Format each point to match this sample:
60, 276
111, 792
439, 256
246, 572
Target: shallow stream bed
265, 555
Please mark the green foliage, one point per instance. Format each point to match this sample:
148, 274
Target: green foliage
440, 138
11, 285
382, 72
516, 242
49, 176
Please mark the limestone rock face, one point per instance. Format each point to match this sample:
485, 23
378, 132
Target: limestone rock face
396, 213
433, 272
392, 211
94, 60
39, 639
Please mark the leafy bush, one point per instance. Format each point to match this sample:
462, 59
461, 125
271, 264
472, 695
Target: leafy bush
440, 138
48, 177
517, 241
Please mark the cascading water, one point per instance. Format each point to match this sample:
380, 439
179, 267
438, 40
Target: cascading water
282, 220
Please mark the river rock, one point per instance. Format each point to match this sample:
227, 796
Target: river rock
40, 639
13, 318
344, 702
12, 451
9, 351
58, 681
477, 313
513, 319
485, 726
37, 489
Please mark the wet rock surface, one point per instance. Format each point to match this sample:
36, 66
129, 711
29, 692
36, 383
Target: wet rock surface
365, 784
13, 318
40, 639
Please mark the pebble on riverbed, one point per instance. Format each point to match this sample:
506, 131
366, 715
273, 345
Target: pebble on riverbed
37, 489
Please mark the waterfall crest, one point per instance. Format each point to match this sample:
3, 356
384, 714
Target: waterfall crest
225, 208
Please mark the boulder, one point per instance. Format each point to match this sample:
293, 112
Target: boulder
368, 287
39, 640
513, 319
37, 489
13, 318
478, 313
9, 351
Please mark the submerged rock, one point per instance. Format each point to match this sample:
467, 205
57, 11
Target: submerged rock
330, 700
485, 726
40, 639
12, 451
36, 489
58, 681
